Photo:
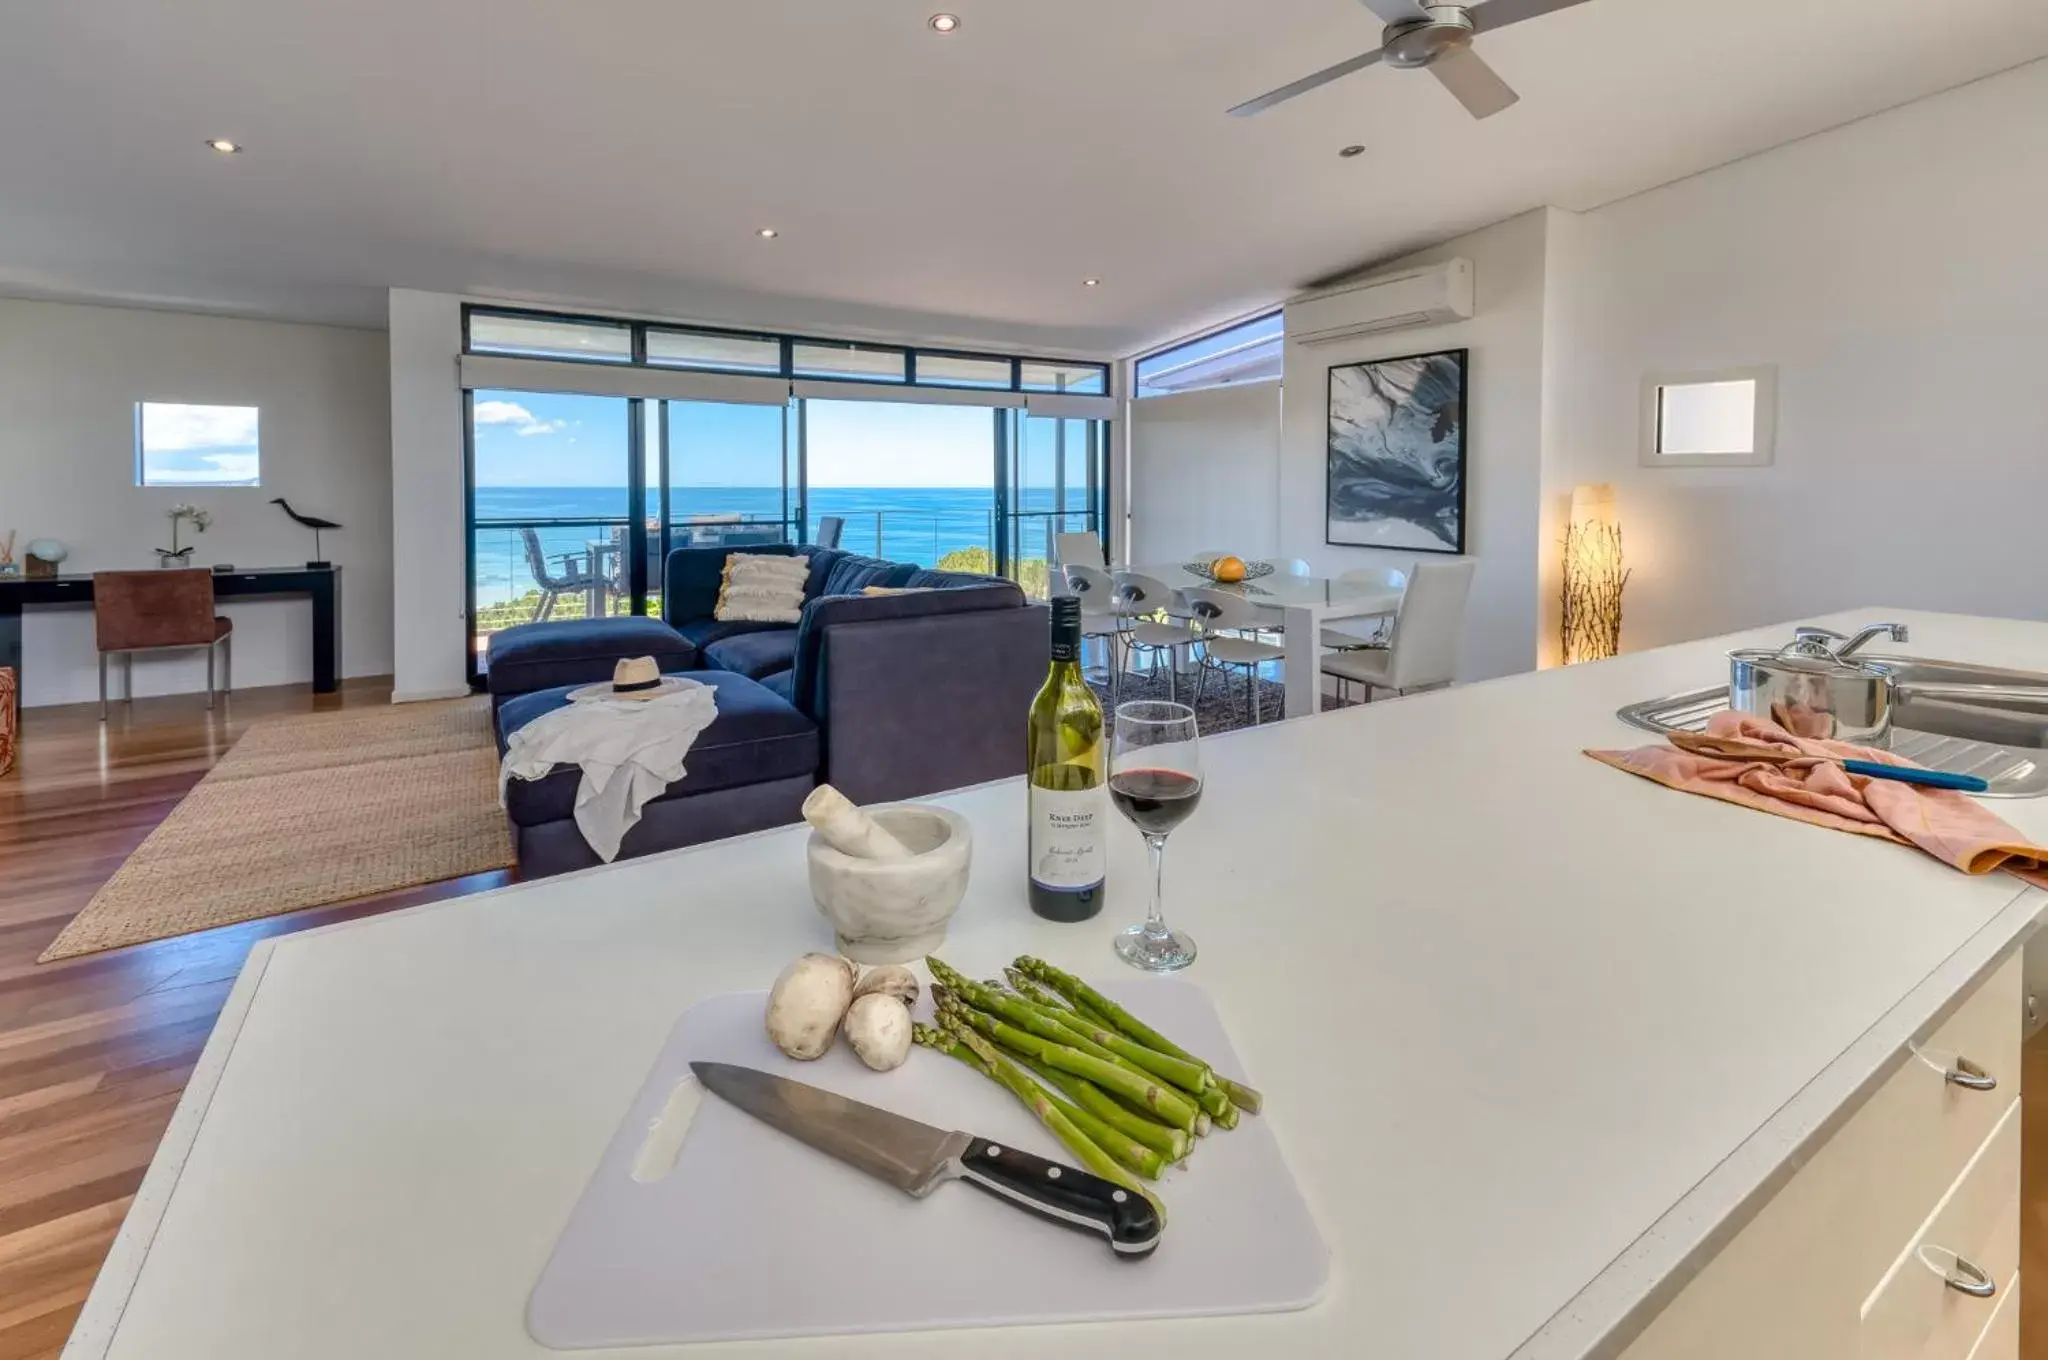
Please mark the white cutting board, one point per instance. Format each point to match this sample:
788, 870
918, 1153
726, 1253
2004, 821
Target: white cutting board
754, 1234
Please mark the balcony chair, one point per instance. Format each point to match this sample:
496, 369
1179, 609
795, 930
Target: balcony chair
572, 580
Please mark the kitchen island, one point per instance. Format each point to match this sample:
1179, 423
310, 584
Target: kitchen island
1590, 1030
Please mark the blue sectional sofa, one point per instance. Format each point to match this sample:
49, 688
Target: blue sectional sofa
887, 697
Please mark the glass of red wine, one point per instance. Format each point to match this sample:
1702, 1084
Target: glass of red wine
1155, 780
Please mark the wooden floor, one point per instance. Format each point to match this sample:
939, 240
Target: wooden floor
95, 1051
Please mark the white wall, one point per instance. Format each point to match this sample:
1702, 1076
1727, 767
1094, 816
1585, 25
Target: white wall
430, 613
69, 380
1504, 438
1205, 473
1896, 273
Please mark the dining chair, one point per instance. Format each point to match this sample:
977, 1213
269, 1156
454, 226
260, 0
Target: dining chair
1100, 617
1139, 596
1422, 647
1082, 549
1342, 639
159, 611
1220, 613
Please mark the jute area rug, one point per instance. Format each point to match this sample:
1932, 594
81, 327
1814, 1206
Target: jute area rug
305, 811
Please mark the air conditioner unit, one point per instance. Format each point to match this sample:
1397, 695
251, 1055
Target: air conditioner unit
1428, 296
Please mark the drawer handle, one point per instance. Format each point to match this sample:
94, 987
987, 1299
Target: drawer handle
1966, 1074
1966, 1277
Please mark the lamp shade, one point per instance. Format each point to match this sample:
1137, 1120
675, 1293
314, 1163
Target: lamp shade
1593, 503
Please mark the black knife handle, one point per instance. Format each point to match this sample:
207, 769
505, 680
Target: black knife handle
1065, 1194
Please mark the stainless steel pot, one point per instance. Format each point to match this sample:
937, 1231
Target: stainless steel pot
1812, 690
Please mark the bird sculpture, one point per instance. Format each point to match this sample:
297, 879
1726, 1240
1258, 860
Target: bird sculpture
313, 522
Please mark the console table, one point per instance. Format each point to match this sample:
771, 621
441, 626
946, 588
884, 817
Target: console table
320, 584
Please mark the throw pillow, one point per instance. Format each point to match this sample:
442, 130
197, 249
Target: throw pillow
894, 590
761, 589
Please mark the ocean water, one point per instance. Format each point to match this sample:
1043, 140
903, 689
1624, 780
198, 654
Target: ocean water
904, 524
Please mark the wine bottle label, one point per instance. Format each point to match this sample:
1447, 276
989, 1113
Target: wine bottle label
1067, 827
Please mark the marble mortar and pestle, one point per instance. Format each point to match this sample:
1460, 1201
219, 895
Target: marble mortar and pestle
889, 877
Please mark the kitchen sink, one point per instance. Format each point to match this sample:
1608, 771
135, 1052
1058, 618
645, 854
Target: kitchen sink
2003, 741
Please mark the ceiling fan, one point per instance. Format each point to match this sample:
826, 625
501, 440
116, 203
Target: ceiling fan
1423, 35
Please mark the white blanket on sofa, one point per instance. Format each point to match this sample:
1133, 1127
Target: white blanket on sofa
630, 751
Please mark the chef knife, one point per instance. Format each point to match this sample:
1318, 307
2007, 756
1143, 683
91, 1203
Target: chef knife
917, 1158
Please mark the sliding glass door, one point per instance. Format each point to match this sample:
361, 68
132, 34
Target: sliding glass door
577, 500
909, 482
1055, 485
550, 493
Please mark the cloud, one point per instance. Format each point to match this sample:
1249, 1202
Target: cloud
518, 417
168, 426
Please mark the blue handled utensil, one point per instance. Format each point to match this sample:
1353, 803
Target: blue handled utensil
1732, 748
1931, 779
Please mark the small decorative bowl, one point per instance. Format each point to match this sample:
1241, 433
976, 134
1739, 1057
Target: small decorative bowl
892, 911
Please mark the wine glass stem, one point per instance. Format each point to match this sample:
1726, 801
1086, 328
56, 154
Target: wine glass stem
1155, 914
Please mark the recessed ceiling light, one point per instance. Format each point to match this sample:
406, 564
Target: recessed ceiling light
1353, 150
945, 23
767, 233
223, 145
1091, 283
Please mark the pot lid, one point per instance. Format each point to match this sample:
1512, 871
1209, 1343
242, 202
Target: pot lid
1797, 658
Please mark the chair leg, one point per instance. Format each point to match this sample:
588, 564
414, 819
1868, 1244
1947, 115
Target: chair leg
1172, 676
227, 664
1251, 675
128, 678
103, 686
212, 656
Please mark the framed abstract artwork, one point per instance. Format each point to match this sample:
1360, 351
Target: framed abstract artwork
1396, 459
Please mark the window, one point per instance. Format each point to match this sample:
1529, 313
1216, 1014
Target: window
1723, 419
550, 337
1088, 380
961, 370
825, 359
714, 350
177, 444
1245, 353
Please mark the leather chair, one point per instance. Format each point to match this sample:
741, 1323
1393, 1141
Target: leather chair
159, 611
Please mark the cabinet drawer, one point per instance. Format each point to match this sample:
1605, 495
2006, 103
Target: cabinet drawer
2001, 1337
1914, 1313
1914, 1135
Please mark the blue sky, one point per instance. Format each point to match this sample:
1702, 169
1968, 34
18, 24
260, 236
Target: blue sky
545, 439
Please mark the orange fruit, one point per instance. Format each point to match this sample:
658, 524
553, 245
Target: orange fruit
1228, 568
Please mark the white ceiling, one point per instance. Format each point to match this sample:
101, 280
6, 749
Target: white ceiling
622, 153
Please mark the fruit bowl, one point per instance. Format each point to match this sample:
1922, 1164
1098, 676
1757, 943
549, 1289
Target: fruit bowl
1208, 570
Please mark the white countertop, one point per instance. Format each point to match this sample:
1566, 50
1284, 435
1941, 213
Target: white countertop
1528, 1027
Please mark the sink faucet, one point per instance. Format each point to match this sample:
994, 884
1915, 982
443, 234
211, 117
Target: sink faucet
1815, 639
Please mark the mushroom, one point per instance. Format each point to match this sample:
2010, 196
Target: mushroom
890, 979
807, 1003
878, 1027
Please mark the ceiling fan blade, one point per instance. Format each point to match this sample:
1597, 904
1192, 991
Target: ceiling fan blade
1473, 82
1305, 84
1500, 13
1396, 11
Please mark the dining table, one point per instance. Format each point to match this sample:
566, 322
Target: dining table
1298, 606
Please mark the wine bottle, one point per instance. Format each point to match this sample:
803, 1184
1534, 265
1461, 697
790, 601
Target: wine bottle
1065, 759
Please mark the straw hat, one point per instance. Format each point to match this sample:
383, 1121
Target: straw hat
635, 677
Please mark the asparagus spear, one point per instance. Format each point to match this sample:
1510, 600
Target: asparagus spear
1168, 1103
1084, 996
1133, 1153
1106, 1044
1036, 1099
1170, 1143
